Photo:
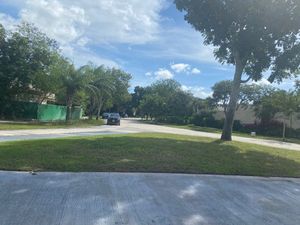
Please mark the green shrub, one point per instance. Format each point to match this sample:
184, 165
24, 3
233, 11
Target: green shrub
179, 120
206, 119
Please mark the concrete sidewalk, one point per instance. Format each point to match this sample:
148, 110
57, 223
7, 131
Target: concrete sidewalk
124, 198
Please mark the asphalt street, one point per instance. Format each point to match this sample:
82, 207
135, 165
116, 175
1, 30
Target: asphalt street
129, 126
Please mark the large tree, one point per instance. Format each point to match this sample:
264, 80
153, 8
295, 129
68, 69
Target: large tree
249, 94
120, 95
165, 99
99, 88
278, 103
136, 98
73, 81
253, 35
221, 93
28, 58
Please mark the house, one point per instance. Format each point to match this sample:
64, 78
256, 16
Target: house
247, 116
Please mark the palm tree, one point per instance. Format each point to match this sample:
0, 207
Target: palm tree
96, 81
101, 88
72, 82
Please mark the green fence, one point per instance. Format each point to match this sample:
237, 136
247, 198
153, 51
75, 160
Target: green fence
76, 113
48, 113
35, 111
19, 110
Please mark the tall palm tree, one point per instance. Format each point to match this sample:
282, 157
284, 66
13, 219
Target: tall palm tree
100, 88
72, 82
96, 81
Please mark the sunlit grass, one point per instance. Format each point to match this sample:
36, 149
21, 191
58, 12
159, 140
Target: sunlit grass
219, 131
49, 125
149, 153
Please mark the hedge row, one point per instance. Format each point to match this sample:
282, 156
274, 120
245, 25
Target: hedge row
273, 128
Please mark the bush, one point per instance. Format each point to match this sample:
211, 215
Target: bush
179, 120
272, 128
206, 119
237, 126
19, 110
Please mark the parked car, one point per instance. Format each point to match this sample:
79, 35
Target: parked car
105, 115
114, 119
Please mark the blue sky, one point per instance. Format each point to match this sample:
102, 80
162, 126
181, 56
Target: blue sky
148, 39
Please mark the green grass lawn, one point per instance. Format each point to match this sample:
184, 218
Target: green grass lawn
219, 131
149, 153
36, 125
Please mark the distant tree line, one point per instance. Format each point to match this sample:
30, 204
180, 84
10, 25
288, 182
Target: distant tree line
164, 101
32, 68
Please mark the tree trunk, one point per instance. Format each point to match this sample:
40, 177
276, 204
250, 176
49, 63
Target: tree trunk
98, 111
69, 112
283, 131
69, 108
90, 115
91, 108
99, 107
224, 107
234, 97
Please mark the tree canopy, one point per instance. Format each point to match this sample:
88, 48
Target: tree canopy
28, 58
165, 99
249, 94
32, 68
254, 35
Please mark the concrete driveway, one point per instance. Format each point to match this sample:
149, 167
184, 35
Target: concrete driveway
128, 126
121, 198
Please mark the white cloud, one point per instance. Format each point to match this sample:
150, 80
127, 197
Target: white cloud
286, 84
180, 44
163, 74
197, 91
195, 71
7, 21
148, 74
101, 21
107, 22
261, 82
180, 67
81, 56
76, 25
63, 22
184, 68
83, 41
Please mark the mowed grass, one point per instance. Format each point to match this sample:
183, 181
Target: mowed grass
149, 153
240, 134
49, 125
219, 131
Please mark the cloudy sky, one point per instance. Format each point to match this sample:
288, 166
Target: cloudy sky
148, 38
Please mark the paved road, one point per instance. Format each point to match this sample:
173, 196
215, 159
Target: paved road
116, 198
129, 126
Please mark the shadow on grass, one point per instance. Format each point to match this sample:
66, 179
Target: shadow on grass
134, 153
